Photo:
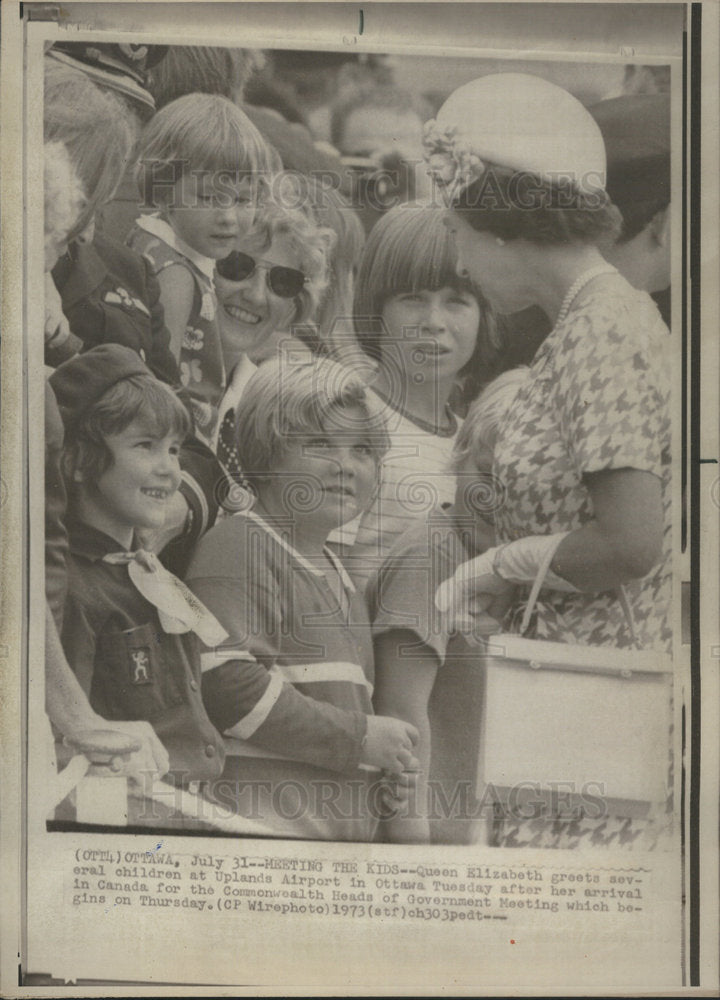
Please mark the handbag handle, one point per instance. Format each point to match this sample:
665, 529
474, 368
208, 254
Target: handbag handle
537, 586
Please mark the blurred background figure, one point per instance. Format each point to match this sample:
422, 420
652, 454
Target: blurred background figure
202, 69
314, 79
378, 131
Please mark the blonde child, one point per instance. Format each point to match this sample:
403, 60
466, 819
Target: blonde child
427, 673
201, 163
291, 688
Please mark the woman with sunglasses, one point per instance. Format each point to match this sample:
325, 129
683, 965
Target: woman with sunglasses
269, 289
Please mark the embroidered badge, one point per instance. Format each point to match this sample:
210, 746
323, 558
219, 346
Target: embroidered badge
190, 371
121, 297
140, 666
193, 339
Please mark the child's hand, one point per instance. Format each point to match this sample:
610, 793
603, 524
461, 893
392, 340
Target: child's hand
396, 790
404, 816
145, 759
389, 743
152, 759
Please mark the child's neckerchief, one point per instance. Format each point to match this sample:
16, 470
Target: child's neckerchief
179, 610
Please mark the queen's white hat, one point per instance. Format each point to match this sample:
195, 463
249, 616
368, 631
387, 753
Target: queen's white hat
519, 121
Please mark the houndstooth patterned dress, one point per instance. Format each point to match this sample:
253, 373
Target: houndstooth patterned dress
597, 397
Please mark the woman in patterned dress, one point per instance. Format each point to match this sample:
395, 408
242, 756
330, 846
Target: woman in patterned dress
582, 462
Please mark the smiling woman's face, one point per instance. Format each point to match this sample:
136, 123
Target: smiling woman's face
250, 313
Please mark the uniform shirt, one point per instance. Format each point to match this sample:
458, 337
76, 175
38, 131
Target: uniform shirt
110, 296
401, 598
596, 398
293, 683
414, 478
127, 665
202, 370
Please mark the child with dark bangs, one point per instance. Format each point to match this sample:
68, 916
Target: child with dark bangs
427, 328
129, 631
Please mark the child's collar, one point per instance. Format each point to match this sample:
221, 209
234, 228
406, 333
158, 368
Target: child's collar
298, 556
90, 542
448, 429
157, 226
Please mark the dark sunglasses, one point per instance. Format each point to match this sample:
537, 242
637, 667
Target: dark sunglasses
286, 282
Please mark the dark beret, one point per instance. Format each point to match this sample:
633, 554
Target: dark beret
80, 382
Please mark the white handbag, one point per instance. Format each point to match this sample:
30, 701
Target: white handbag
578, 722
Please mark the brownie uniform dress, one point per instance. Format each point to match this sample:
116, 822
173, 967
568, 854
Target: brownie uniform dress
128, 666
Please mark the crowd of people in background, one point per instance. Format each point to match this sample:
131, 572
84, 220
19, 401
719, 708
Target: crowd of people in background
334, 369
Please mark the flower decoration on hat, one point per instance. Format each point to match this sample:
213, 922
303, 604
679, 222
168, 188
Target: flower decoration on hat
521, 122
451, 162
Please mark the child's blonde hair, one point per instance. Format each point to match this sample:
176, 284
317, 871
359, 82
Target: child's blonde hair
64, 200
479, 431
199, 133
288, 397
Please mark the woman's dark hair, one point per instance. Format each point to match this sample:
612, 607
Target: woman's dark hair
520, 205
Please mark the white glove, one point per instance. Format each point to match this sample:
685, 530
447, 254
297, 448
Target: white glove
475, 598
523, 560
488, 578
